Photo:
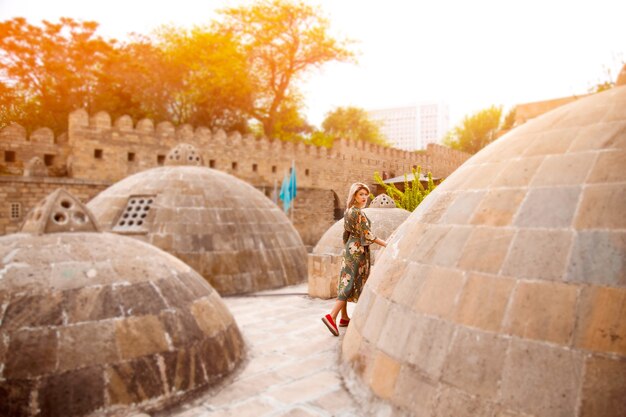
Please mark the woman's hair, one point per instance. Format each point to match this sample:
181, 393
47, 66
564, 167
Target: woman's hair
355, 188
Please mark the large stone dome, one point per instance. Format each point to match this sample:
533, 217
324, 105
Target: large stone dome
504, 293
97, 322
324, 262
224, 228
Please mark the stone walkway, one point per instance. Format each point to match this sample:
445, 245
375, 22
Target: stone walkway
292, 365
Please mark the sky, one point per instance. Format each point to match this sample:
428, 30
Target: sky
469, 54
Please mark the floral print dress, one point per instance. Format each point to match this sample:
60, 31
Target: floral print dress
355, 267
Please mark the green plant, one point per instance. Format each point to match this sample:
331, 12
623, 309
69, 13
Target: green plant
414, 192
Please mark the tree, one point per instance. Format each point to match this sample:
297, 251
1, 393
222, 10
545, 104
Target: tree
282, 41
414, 192
475, 131
352, 123
46, 72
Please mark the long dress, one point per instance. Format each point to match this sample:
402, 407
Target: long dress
355, 266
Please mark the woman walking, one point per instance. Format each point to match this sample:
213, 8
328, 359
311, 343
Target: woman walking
355, 267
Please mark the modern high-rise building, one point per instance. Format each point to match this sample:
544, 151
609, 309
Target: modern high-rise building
413, 127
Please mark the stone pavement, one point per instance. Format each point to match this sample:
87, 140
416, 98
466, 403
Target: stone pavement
292, 368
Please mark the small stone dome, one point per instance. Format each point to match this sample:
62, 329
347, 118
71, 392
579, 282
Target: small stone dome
504, 293
325, 260
382, 201
97, 322
224, 228
184, 154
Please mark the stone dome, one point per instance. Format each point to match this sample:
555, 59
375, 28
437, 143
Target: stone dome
224, 228
325, 260
385, 220
97, 322
504, 293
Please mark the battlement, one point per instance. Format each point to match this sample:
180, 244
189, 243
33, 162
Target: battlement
96, 147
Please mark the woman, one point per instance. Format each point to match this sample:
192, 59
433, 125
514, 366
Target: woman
355, 267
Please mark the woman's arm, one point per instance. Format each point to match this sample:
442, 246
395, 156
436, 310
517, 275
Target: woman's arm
380, 242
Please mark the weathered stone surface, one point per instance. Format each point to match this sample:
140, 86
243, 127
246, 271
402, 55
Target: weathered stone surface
486, 249
91, 304
598, 257
541, 379
33, 311
602, 207
75, 353
452, 402
484, 300
75, 393
543, 311
604, 389
140, 336
562, 202
498, 207
134, 381
474, 363
537, 253
415, 392
601, 326
31, 353
15, 397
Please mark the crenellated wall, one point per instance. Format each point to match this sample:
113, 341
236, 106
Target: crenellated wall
99, 149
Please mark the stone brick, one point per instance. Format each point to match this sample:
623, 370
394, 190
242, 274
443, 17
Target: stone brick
542, 311
438, 294
181, 327
91, 304
407, 289
462, 207
134, 381
530, 367
498, 207
31, 353
384, 375
565, 169
75, 353
415, 392
207, 316
452, 402
609, 167
139, 336
483, 301
598, 258
518, 173
602, 207
486, 249
183, 370
560, 201
376, 318
538, 253
15, 397
33, 311
604, 388
351, 344
427, 345
139, 299
600, 136
601, 325
390, 272
394, 335
452, 245
430, 243
75, 393
551, 141
475, 361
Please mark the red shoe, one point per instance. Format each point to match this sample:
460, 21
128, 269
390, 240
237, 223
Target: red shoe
344, 322
330, 323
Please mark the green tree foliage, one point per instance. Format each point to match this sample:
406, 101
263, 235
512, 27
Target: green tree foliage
48, 71
414, 192
282, 41
475, 131
352, 123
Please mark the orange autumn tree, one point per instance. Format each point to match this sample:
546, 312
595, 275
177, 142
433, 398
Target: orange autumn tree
282, 41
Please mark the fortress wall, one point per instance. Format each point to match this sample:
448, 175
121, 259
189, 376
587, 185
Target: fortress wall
97, 150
